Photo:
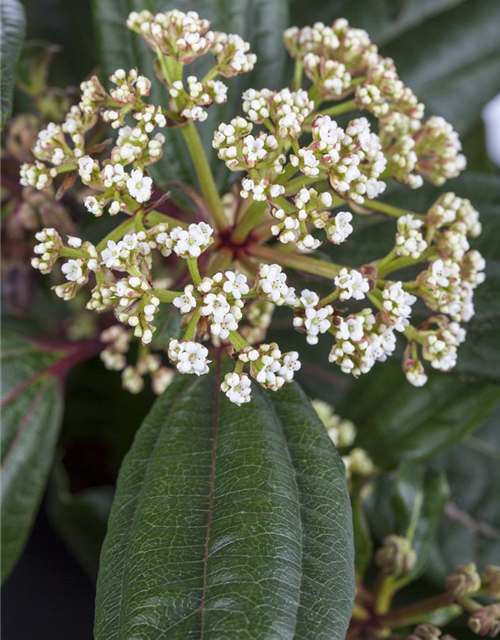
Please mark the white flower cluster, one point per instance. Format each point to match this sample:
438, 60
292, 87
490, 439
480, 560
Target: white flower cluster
352, 160
222, 301
397, 304
133, 301
48, 250
185, 37
197, 95
117, 340
384, 92
63, 146
449, 209
313, 320
361, 340
36, 175
269, 366
409, 239
125, 253
440, 348
286, 110
310, 207
417, 150
189, 357
351, 284
340, 42
340, 228
448, 287
242, 151
329, 76
237, 388
271, 283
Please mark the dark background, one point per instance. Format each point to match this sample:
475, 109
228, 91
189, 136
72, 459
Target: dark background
50, 596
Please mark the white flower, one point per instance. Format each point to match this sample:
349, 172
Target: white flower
72, 270
409, 240
317, 321
222, 327
235, 284
92, 205
85, 168
340, 228
308, 298
190, 243
139, 186
215, 305
129, 242
290, 364
272, 282
187, 301
352, 284
397, 304
237, 387
111, 255
113, 173
189, 357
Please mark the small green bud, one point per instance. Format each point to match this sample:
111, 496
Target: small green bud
397, 557
425, 632
486, 621
491, 581
464, 581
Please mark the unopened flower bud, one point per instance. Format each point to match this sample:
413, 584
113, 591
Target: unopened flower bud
463, 581
491, 581
425, 632
486, 621
396, 557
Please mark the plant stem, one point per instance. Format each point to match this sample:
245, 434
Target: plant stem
164, 295
385, 593
296, 261
69, 252
191, 328
117, 233
157, 217
193, 270
330, 298
205, 176
248, 222
339, 109
297, 77
399, 263
414, 612
238, 341
389, 209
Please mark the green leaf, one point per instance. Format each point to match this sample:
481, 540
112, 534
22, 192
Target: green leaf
228, 522
454, 86
470, 529
168, 325
363, 544
32, 411
80, 519
13, 27
397, 422
419, 498
261, 22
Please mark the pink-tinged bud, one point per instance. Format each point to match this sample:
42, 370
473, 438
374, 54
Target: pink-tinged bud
464, 581
396, 557
491, 581
486, 621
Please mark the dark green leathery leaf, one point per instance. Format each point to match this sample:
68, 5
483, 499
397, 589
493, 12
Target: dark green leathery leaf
31, 416
228, 522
